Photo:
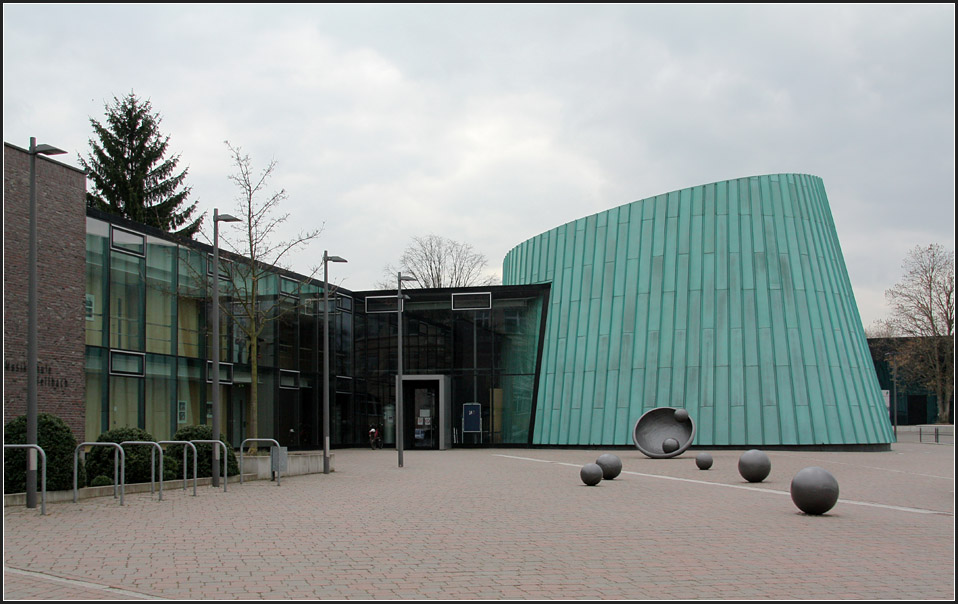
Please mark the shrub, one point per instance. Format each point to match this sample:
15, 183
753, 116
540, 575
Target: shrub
101, 481
99, 460
204, 452
58, 444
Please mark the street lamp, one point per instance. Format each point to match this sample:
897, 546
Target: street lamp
326, 260
894, 374
35, 150
399, 419
217, 219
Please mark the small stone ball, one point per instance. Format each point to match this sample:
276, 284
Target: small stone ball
611, 465
703, 461
754, 465
591, 474
681, 415
814, 490
669, 445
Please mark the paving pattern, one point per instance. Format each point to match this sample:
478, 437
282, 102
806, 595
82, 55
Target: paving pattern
508, 524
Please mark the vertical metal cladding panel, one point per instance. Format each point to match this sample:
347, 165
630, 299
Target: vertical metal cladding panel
730, 299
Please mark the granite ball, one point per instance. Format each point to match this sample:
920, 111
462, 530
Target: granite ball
681, 415
754, 465
591, 474
703, 461
611, 465
814, 490
669, 445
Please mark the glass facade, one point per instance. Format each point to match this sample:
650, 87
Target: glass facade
148, 343
489, 356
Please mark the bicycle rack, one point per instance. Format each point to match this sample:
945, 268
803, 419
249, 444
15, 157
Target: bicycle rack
43, 474
216, 451
185, 465
154, 446
265, 440
117, 467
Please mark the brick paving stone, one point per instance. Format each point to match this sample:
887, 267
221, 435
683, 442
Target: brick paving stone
508, 524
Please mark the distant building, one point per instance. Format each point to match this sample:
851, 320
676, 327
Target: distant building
730, 300
914, 403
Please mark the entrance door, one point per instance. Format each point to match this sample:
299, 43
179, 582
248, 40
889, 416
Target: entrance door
421, 414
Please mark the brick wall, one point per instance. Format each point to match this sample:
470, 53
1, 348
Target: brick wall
61, 276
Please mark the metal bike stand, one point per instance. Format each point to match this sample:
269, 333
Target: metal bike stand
154, 447
185, 465
216, 451
264, 440
43, 473
117, 467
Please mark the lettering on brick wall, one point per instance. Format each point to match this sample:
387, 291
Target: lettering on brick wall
45, 375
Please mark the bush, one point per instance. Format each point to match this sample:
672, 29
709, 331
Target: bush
99, 460
58, 444
101, 481
204, 452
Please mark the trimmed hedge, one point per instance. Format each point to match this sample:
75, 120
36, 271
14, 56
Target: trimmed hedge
58, 443
99, 460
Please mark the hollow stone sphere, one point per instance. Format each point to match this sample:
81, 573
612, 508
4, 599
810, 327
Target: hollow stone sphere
681, 415
703, 461
754, 465
591, 474
669, 445
611, 465
814, 490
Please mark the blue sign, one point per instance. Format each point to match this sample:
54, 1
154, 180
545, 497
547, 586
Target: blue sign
471, 417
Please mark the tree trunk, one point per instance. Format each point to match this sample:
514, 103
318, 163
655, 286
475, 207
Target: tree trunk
253, 414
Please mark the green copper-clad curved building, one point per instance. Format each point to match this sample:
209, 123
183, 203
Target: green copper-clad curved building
730, 299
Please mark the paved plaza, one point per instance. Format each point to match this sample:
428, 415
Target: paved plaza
508, 524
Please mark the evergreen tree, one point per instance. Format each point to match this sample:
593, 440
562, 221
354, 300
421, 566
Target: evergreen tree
129, 173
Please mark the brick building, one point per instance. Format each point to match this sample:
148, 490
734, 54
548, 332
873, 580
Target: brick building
61, 260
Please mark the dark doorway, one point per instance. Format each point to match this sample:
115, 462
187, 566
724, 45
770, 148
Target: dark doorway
420, 414
917, 409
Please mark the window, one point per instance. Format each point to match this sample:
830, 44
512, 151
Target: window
478, 301
378, 304
288, 380
127, 241
127, 363
226, 372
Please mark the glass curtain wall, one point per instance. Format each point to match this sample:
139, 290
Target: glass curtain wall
488, 353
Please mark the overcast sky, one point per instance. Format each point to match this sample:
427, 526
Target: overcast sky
491, 124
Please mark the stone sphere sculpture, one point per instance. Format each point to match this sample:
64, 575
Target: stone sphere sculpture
670, 445
754, 465
662, 424
611, 465
814, 490
703, 461
591, 474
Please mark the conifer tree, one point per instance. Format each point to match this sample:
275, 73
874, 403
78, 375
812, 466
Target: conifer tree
130, 174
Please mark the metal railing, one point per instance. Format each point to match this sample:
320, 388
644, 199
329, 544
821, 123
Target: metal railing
117, 467
153, 449
43, 473
185, 465
936, 432
264, 440
216, 451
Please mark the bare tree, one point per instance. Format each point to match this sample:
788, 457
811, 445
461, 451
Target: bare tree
439, 262
259, 254
923, 311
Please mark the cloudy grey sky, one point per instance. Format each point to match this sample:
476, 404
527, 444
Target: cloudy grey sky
490, 124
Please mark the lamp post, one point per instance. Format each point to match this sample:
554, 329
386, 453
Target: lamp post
326, 260
399, 414
217, 219
35, 150
894, 360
